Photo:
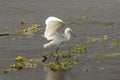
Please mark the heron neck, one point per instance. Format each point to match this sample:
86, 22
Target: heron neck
67, 36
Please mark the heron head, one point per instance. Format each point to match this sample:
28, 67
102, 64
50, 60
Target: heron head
69, 30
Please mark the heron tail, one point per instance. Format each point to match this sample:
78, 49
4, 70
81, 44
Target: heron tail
48, 44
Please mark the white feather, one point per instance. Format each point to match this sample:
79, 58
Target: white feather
53, 27
54, 32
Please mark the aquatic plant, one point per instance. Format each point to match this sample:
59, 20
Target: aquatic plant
22, 62
79, 49
103, 57
114, 43
96, 39
86, 20
66, 60
28, 30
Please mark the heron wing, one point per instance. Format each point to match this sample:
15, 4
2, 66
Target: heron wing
53, 28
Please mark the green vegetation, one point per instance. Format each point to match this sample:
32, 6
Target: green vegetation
30, 30
21, 63
103, 57
63, 65
94, 39
66, 58
86, 20
85, 69
79, 49
114, 43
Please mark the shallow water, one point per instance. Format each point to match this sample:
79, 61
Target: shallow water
36, 11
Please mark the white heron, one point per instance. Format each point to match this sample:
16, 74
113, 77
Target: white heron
54, 33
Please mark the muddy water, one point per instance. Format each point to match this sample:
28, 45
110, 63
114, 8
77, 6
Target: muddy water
36, 11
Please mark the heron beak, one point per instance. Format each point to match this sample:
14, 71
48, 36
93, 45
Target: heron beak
73, 34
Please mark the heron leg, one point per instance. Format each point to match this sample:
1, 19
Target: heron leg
57, 58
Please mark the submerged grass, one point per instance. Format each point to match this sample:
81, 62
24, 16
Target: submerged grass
96, 39
67, 60
104, 57
86, 20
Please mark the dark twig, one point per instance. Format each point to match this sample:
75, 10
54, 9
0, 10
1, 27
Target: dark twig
4, 34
